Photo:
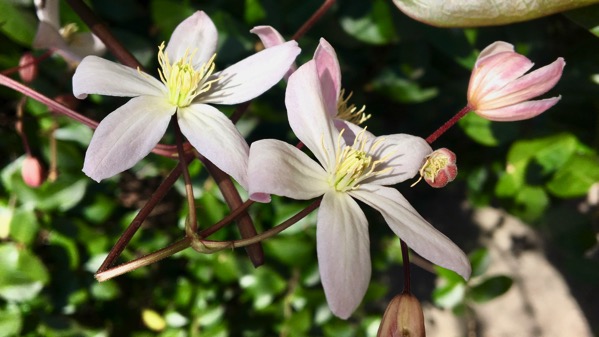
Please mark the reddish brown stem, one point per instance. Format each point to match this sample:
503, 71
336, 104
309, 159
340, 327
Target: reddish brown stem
405, 255
313, 19
430, 139
35, 61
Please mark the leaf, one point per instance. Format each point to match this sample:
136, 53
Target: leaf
587, 17
17, 24
11, 321
490, 288
479, 129
402, 90
479, 260
374, 26
532, 202
449, 296
22, 274
254, 11
476, 13
575, 177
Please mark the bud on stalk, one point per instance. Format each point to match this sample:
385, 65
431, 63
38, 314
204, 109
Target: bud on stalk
403, 318
32, 172
27, 67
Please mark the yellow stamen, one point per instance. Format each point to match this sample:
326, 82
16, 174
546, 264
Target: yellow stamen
433, 164
183, 82
68, 31
350, 113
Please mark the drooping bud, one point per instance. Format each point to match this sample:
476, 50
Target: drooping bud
403, 318
32, 172
440, 168
27, 67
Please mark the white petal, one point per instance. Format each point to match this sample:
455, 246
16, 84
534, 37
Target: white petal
329, 73
342, 244
95, 75
216, 138
278, 168
126, 136
252, 76
269, 36
48, 37
418, 234
308, 117
47, 11
86, 43
196, 34
404, 155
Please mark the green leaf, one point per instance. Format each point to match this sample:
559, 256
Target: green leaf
587, 17
402, 90
24, 226
375, 26
479, 260
290, 250
11, 321
479, 129
490, 288
483, 12
22, 274
449, 296
575, 177
19, 25
254, 11
105, 291
532, 202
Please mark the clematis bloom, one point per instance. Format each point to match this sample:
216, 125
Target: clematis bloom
499, 90
342, 173
188, 83
66, 41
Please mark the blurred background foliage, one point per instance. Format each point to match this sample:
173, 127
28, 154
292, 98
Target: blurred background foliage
412, 78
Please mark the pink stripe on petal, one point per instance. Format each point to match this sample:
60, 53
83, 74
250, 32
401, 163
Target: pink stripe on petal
329, 74
494, 73
520, 111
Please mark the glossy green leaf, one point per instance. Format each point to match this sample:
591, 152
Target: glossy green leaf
11, 321
479, 129
532, 202
22, 274
374, 26
17, 23
479, 260
575, 177
450, 295
24, 226
490, 288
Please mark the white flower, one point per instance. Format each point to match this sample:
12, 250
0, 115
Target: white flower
188, 83
66, 41
341, 174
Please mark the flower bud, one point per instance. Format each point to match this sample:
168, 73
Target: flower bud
32, 172
440, 168
403, 318
27, 67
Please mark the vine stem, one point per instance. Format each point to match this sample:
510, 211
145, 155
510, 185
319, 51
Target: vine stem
313, 19
191, 206
430, 139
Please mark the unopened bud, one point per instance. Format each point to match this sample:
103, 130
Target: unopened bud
403, 318
32, 172
27, 67
440, 168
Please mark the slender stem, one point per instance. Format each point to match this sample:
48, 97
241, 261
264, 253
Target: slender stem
313, 19
226, 220
405, 255
37, 60
245, 224
19, 126
430, 139
191, 225
178, 246
104, 34
208, 246
120, 245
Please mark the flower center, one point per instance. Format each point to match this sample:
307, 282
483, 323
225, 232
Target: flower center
350, 112
68, 31
182, 80
354, 164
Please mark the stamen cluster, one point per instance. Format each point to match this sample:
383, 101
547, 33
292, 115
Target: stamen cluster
350, 112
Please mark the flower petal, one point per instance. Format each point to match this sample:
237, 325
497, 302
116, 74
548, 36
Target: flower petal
48, 37
252, 76
196, 34
403, 154
342, 245
495, 48
86, 43
406, 223
48, 11
216, 138
526, 87
278, 168
270, 37
308, 117
329, 73
95, 75
126, 136
520, 111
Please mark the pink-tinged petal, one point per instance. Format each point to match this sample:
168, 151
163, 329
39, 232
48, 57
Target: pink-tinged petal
270, 37
86, 43
126, 136
252, 76
278, 168
495, 72
351, 130
329, 73
520, 111
342, 245
48, 37
403, 154
196, 34
95, 75
216, 138
307, 116
47, 11
495, 48
526, 87
419, 235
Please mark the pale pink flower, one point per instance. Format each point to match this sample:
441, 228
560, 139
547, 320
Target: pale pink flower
499, 90
340, 174
66, 41
187, 85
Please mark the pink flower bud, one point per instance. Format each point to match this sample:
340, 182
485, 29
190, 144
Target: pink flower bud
32, 172
27, 67
499, 90
440, 168
403, 318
